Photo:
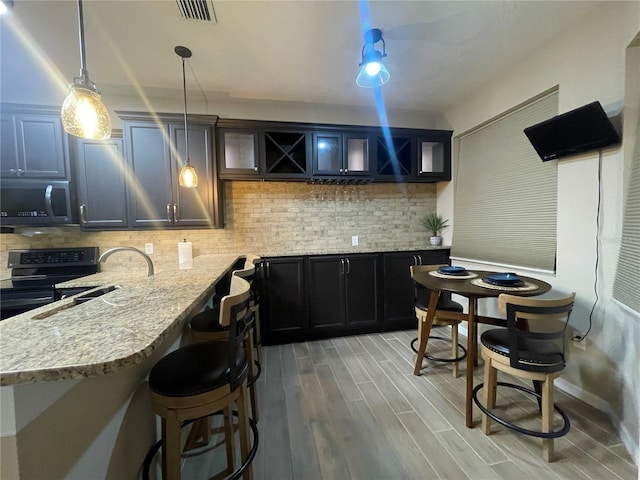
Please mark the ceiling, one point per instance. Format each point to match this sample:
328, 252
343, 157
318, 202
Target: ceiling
302, 51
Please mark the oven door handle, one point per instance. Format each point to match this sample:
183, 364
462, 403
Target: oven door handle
30, 277
27, 302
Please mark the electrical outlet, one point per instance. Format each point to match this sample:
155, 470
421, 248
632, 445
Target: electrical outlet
582, 344
148, 248
354, 240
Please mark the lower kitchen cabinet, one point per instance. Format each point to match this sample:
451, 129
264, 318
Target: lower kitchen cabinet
398, 293
343, 293
283, 314
324, 296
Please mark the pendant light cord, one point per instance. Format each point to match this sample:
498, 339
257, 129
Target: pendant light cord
186, 131
83, 57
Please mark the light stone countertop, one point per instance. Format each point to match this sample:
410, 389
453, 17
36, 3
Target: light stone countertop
110, 333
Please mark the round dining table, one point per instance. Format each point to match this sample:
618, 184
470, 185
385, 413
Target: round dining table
472, 289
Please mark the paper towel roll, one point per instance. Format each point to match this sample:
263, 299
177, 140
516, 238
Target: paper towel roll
185, 255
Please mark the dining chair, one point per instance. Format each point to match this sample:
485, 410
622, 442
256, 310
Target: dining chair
447, 314
531, 348
194, 382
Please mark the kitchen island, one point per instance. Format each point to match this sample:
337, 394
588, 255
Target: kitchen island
73, 391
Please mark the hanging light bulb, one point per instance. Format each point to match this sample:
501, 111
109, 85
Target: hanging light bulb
372, 73
83, 113
188, 176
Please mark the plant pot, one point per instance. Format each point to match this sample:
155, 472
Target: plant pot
435, 241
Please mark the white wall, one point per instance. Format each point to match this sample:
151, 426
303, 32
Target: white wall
587, 63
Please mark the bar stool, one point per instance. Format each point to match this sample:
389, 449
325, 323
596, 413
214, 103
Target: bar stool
531, 348
202, 379
447, 313
212, 326
254, 302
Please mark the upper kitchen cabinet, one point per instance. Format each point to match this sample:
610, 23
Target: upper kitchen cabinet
413, 155
341, 154
256, 150
253, 150
154, 152
34, 144
101, 179
286, 153
238, 150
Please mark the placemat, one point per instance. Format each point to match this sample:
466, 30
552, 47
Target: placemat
435, 273
527, 287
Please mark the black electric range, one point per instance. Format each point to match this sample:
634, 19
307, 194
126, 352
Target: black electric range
35, 272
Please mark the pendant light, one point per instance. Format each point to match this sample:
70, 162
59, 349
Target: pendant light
373, 72
83, 113
188, 176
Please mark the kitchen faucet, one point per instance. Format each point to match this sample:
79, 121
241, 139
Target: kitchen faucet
108, 253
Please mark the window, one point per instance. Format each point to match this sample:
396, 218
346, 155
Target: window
626, 286
506, 197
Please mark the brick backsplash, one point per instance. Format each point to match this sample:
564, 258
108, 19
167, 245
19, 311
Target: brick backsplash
275, 218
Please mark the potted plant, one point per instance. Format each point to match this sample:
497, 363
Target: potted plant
434, 223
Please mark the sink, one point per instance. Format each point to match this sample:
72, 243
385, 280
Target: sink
85, 297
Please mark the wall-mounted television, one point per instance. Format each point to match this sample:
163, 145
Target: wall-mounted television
580, 130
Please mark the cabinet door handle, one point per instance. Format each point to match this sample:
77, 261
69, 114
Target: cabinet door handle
342, 266
419, 259
13, 171
268, 269
169, 212
20, 171
415, 260
346, 170
348, 266
83, 218
175, 213
255, 169
341, 170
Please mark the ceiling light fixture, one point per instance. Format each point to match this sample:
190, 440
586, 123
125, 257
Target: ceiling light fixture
83, 113
373, 72
188, 176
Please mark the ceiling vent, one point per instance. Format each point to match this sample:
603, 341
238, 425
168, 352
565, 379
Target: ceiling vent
197, 10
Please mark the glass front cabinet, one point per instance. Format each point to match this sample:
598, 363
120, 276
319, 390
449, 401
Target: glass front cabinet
341, 154
238, 151
257, 150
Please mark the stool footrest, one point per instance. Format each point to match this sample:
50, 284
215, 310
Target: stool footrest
235, 475
440, 359
533, 433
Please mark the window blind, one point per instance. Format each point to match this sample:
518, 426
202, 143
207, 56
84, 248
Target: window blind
506, 197
626, 285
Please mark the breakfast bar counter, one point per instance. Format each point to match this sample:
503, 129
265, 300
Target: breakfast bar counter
74, 395
63, 340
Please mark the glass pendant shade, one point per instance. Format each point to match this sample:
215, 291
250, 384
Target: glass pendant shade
372, 73
188, 176
84, 115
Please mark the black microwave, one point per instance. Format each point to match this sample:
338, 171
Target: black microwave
35, 202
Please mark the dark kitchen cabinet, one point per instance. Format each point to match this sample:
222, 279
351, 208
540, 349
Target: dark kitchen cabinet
154, 152
286, 153
410, 155
338, 154
398, 287
34, 144
238, 153
343, 293
283, 311
102, 188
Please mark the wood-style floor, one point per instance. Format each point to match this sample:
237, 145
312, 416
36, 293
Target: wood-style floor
349, 408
